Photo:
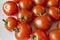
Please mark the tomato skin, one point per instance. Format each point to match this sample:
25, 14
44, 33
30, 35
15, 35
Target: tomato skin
38, 10
11, 23
25, 4
10, 8
52, 3
16, 1
43, 22
53, 13
38, 2
26, 14
54, 34
24, 31
40, 35
58, 25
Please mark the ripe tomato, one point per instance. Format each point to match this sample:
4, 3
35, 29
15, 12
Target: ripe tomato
38, 10
24, 16
43, 22
54, 34
52, 3
58, 25
25, 4
16, 1
38, 2
39, 35
53, 13
10, 23
10, 8
24, 31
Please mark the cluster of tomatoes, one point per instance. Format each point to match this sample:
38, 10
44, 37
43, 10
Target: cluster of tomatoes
41, 13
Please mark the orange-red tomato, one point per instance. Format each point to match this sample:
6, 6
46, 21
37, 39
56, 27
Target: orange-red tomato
43, 22
58, 25
24, 31
24, 16
38, 10
53, 13
10, 23
52, 3
39, 35
16, 1
54, 34
38, 2
10, 8
25, 4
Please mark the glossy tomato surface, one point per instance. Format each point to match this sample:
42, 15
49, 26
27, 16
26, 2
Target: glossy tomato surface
39, 35
10, 23
25, 4
53, 13
16, 1
10, 8
58, 25
52, 3
43, 22
24, 31
38, 10
24, 16
38, 2
54, 34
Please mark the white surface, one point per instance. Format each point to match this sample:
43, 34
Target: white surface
4, 34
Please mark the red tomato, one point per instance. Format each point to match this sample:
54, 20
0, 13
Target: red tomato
16, 1
53, 13
10, 8
43, 22
52, 3
58, 25
38, 10
38, 2
24, 31
24, 16
10, 23
39, 35
54, 34
25, 4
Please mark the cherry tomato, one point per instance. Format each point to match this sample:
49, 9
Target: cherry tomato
54, 34
24, 31
58, 25
10, 23
16, 1
53, 13
52, 3
43, 22
38, 10
10, 8
38, 35
24, 16
25, 4
38, 2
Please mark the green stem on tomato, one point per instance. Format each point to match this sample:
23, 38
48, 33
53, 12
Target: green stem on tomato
59, 11
33, 37
16, 29
22, 16
40, 14
4, 21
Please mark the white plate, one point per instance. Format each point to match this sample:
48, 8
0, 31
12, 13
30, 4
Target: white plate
4, 34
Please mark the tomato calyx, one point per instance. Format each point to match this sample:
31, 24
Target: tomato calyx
16, 29
33, 37
40, 14
58, 10
23, 19
5, 21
